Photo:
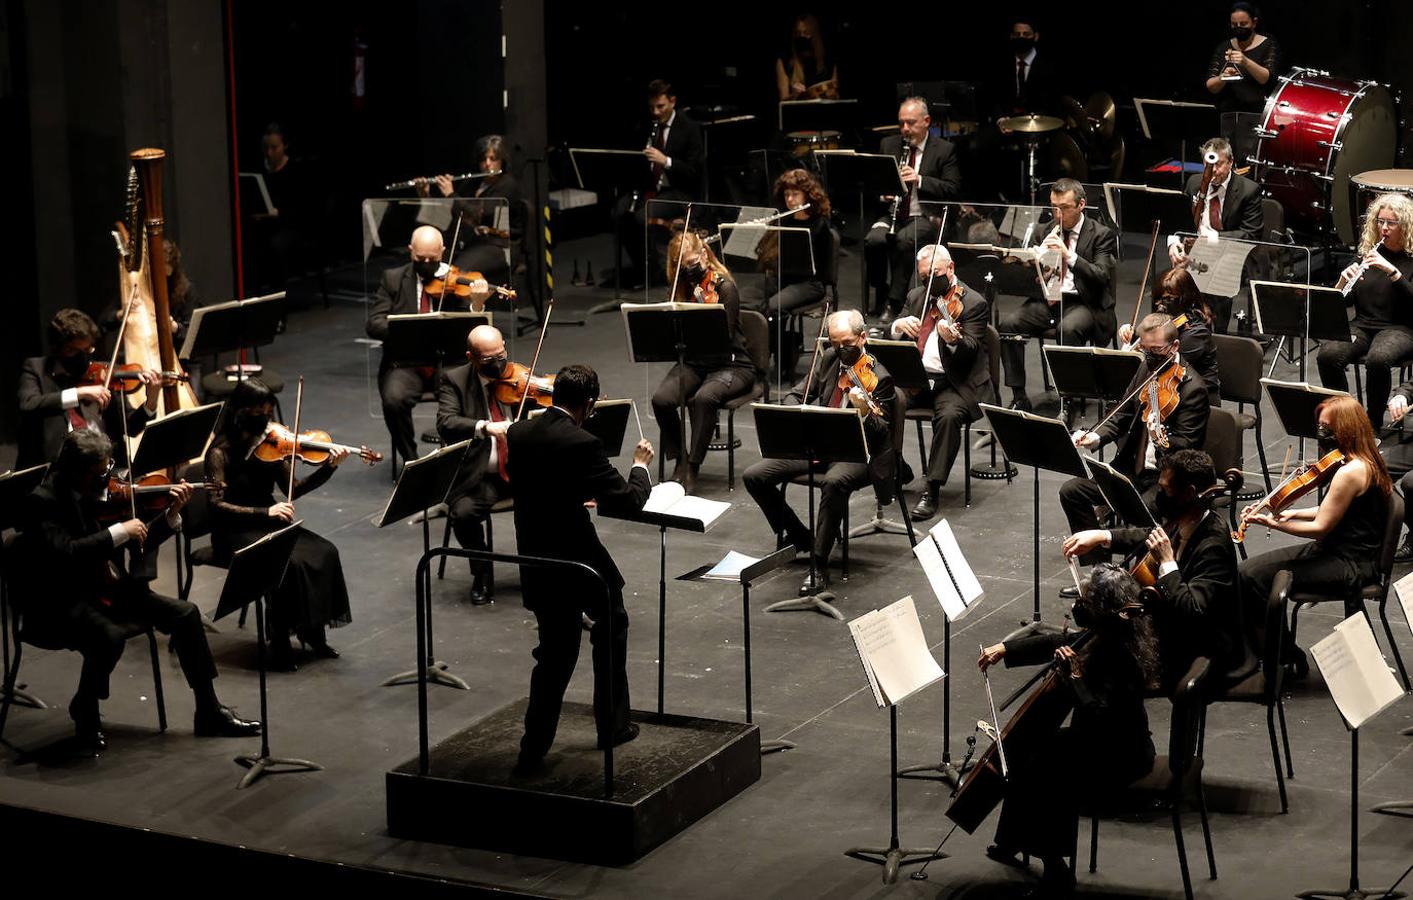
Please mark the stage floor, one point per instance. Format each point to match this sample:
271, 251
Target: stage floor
785, 835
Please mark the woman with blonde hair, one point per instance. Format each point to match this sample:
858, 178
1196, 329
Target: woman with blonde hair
804, 72
1383, 306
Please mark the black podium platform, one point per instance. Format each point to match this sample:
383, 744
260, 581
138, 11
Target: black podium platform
678, 770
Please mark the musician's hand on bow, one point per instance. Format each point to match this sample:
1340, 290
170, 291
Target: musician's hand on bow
908, 325
990, 656
179, 493
336, 456
643, 453
1125, 333
1397, 406
284, 511
136, 530
445, 186
909, 175
1176, 254
96, 392
1082, 542
1074, 666
1160, 546
655, 156
496, 429
1085, 440
949, 332
860, 399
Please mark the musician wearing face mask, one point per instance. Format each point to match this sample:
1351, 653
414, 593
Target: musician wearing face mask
1193, 562
1083, 276
954, 356
1175, 294
53, 401
805, 71
491, 211
60, 536
1025, 81
1244, 65
467, 409
1144, 441
848, 339
403, 290
704, 384
1107, 744
1381, 290
930, 174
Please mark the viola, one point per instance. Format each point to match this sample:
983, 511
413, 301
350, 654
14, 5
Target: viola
151, 493
861, 376
313, 446
1305, 480
706, 292
949, 306
125, 378
457, 283
1158, 400
516, 382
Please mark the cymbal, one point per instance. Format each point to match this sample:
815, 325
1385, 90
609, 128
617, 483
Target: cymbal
1073, 113
1032, 124
1101, 114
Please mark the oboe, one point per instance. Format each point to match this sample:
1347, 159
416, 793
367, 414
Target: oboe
1363, 267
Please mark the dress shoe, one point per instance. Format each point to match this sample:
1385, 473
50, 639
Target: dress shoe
478, 596
1022, 403
1297, 666
223, 722
821, 581
926, 506
689, 478
281, 658
629, 732
529, 766
1404, 553
322, 650
89, 740
1069, 592
886, 317
1008, 856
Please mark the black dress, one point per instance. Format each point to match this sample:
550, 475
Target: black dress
486, 253
313, 595
1247, 95
1200, 352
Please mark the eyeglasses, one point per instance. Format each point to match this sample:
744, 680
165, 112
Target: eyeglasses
1392, 223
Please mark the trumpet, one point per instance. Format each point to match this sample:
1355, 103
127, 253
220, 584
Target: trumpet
903, 155
412, 182
1363, 267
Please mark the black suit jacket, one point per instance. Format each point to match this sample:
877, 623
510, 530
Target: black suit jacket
1038, 95
1241, 207
478, 212
555, 466
1096, 253
461, 403
940, 171
882, 433
399, 294
687, 151
966, 364
1186, 425
1200, 613
44, 422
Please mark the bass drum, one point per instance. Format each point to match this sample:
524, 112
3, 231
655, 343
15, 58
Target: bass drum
1317, 132
804, 143
1365, 186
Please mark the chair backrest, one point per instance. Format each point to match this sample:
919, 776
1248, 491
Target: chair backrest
829, 267
1273, 216
1239, 363
1223, 442
1188, 700
1269, 638
1393, 526
993, 361
196, 515
757, 333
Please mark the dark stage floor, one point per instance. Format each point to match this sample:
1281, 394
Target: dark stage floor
784, 836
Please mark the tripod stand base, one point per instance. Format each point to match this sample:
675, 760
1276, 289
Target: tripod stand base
1352, 893
1030, 629
994, 472
776, 746
813, 603
878, 525
609, 306
21, 697
260, 766
945, 771
1400, 808
436, 674
893, 858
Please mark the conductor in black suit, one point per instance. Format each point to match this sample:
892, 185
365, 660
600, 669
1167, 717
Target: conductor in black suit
53, 403
954, 357
468, 410
557, 467
930, 173
402, 291
1084, 278
674, 168
1230, 208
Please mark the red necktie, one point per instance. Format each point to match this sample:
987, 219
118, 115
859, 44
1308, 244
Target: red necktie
929, 325
76, 418
424, 305
1214, 213
502, 447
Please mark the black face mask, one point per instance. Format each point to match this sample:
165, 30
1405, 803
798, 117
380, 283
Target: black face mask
1155, 361
694, 273
803, 46
426, 269
850, 355
75, 366
1325, 438
1082, 613
252, 424
492, 369
1241, 34
1169, 507
941, 284
1022, 46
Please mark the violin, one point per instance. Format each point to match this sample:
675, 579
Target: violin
861, 376
152, 493
706, 292
1158, 400
456, 283
126, 378
314, 447
516, 382
1303, 481
949, 306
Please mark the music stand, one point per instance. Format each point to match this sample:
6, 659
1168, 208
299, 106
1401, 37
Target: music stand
14, 487
819, 435
1123, 498
670, 332
1142, 204
234, 326
1295, 404
868, 175
608, 422
175, 439
422, 484
904, 364
1176, 120
817, 114
1299, 311
255, 574
1092, 373
618, 171
1041, 443
430, 339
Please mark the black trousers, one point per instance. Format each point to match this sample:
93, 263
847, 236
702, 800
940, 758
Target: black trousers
1079, 497
468, 512
949, 414
400, 389
1312, 571
98, 633
891, 259
836, 482
1033, 317
1381, 351
557, 654
647, 247
706, 391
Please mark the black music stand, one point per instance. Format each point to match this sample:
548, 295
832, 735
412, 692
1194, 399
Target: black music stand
430, 339
817, 114
175, 439
904, 364
819, 435
616, 171
234, 327
670, 332
1092, 373
1140, 205
1176, 121
422, 484
868, 175
14, 487
1295, 404
1299, 311
1041, 443
608, 422
1123, 498
254, 575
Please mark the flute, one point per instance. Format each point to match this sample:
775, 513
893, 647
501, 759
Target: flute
412, 182
1363, 267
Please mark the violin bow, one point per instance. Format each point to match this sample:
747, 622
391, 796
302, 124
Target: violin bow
539, 344
1134, 393
294, 439
931, 261
677, 270
1143, 283
814, 359
446, 282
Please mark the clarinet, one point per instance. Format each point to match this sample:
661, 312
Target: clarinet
656, 182
897, 201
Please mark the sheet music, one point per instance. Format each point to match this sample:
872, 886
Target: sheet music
372, 226
894, 651
438, 215
1352, 666
1216, 265
948, 571
730, 567
670, 498
1403, 587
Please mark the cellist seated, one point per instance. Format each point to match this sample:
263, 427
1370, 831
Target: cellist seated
1107, 744
1145, 433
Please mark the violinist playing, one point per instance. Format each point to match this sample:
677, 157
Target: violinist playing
55, 397
492, 232
1190, 560
1107, 744
1345, 531
1144, 432
467, 409
75, 592
949, 327
707, 383
313, 595
1175, 294
828, 384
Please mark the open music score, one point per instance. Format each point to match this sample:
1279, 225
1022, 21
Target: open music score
894, 652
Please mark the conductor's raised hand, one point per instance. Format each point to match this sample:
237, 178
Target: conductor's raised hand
643, 453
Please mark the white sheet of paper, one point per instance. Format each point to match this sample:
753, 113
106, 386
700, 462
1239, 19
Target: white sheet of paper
930, 551
1403, 587
730, 567
1352, 666
1216, 266
669, 498
894, 646
867, 622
